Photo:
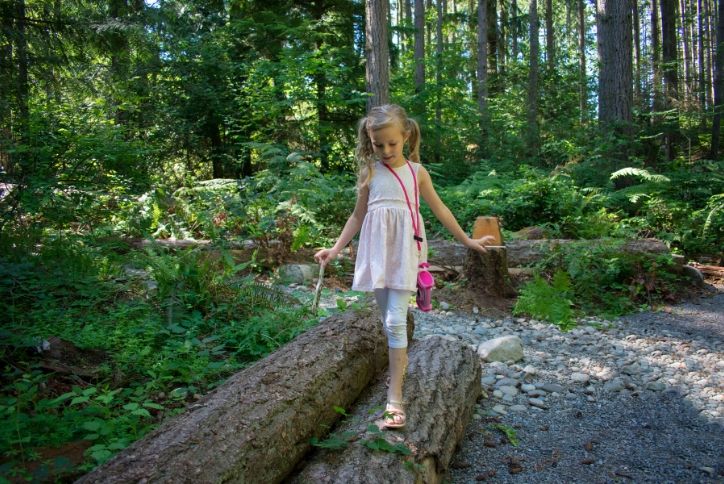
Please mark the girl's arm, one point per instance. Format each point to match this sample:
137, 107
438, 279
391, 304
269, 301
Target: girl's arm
354, 223
445, 216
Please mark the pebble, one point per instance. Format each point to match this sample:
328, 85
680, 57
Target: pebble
537, 402
552, 388
580, 378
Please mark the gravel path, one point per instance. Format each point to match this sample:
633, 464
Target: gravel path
638, 399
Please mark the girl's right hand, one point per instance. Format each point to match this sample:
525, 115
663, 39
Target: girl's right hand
325, 256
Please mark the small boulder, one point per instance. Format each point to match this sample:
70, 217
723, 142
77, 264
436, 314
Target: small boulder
298, 273
505, 348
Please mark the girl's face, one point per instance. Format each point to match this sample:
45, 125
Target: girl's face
387, 144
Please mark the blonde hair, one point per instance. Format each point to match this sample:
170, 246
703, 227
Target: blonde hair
381, 117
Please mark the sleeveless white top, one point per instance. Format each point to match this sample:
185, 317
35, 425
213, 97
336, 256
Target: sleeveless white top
387, 256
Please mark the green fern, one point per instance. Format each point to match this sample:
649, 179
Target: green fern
255, 294
550, 302
645, 175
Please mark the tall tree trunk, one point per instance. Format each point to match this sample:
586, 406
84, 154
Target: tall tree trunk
377, 70
419, 57
503, 39
492, 17
656, 59
686, 35
702, 66
550, 53
710, 49
408, 21
614, 25
120, 57
320, 80
671, 76
532, 118
514, 27
482, 72
439, 47
718, 84
21, 53
583, 76
7, 15
637, 53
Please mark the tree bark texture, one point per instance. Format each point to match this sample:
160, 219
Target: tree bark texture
482, 68
532, 105
656, 58
492, 34
702, 70
441, 387
488, 272
257, 425
615, 94
637, 53
671, 75
514, 14
718, 85
583, 76
550, 49
377, 53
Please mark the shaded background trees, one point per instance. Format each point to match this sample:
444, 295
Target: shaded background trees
130, 94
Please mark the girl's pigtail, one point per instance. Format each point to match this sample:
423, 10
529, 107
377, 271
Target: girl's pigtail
364, 153
414, 140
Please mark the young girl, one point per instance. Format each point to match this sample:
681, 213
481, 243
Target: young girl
389, 253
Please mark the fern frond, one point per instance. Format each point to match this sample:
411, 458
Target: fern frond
640, 173
255, 294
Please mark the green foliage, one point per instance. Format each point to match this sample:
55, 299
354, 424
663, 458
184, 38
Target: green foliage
531, 197
509, 433
154, 360
551, 302
334, 441
383, 445
604, 279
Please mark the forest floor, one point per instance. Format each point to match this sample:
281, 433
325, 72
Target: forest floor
636, 399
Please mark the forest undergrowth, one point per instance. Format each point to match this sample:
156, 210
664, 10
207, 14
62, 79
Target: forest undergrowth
104, 340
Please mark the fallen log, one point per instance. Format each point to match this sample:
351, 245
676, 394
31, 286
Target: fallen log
522, 253
441, 387
258, 424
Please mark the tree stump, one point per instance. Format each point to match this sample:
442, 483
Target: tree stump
488, 272
257, 425
441, 387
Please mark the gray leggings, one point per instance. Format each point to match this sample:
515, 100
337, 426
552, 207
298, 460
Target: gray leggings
393, 308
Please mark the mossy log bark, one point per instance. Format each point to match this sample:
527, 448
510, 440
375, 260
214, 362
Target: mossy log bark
258, 424
441, 387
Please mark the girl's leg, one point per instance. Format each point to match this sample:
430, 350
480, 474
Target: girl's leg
395, 319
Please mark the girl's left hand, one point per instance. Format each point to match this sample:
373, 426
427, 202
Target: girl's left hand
479, 244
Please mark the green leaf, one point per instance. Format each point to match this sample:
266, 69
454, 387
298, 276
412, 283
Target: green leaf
92, 426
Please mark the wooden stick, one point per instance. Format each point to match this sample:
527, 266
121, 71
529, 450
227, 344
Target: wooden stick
318, 290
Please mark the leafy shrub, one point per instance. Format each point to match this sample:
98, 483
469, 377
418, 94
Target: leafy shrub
551, 302
606, 280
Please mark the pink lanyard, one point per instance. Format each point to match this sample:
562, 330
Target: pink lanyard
415, 224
